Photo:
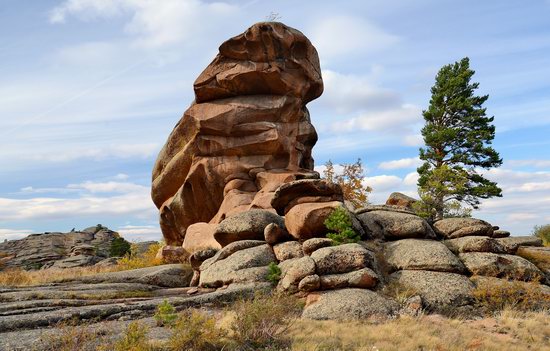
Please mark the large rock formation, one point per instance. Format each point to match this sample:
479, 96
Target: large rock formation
247, 132
60, 250
236, 190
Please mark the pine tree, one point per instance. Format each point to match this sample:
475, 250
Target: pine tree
457, 137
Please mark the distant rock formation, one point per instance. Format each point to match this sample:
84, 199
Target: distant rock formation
247, 132
59, 250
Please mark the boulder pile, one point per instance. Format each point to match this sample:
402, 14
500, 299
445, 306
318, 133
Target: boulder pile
238, 197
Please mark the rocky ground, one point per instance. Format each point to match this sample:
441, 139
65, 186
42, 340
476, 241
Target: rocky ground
105, 301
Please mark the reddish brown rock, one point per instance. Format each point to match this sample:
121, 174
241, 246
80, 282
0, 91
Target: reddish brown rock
306, 221
303, 191
269, 58
172, 254
200, 236
274, 234
247, 132
401, 200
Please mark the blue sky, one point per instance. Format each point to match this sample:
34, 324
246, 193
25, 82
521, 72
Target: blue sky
90, 90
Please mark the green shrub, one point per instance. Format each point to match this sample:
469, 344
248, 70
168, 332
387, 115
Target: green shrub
274, 274
263, 321
340, 222
119, 247
166, 314
543, 232
194, 331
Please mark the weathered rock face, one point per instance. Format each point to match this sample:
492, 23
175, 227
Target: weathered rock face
247, 132
416, 254
501, 266
62, 250
437, 289
389, 224
451, 228
401, 200
348, 304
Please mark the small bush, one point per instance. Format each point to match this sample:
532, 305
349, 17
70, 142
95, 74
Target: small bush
340, 221
166, 314
398, 292
194, 331
119, 247
543, 232
134, 339
498, 294
134, 260
263, 321
68, 337
274, 274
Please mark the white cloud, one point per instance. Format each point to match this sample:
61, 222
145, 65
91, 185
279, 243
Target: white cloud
98, 153
153, 23
382, 183
338, 169
398, 119
413, 140
108, 187
521, 216
13, 234
340, 35
411, 162
140, 233
350, 93
531, 163
411, 179
121, 176
119, 199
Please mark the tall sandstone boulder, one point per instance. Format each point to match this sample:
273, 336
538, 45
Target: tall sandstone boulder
247, 132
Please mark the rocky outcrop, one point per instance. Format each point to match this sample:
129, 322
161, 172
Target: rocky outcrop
59, 250
302, 191
474, 244
341, 259
401, 200
451, 228
439, 290
247, 132
307, 220
246, 265
348, 304
391, 225
247, 225
416, 254
501, 266
235, 184
512, 244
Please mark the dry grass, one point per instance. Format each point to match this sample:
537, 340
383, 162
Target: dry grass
19, 277
263, 321
541, 260
511, 330
70, 337
495, 295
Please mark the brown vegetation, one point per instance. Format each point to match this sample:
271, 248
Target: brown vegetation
351, 181
21, 277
